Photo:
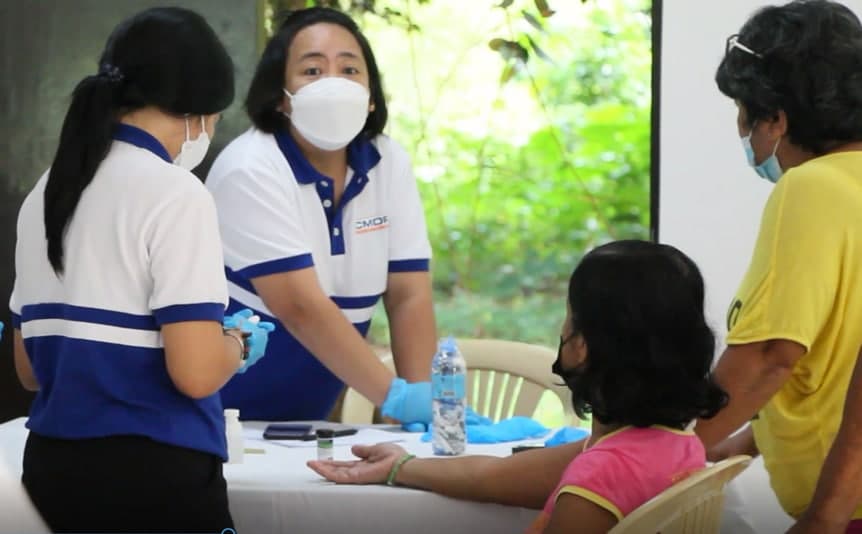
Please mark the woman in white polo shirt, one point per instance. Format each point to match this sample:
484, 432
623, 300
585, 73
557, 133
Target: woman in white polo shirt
120, 295
320, 217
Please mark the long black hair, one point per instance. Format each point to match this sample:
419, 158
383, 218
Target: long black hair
164, 57
639, 307
265, 92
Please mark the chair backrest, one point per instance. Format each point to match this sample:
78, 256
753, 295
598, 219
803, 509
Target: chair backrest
356, 409
691, 506
504, 378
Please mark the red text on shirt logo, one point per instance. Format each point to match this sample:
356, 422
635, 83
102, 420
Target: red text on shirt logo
371, 224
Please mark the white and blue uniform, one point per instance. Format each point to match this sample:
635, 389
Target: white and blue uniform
277, 214
142, 250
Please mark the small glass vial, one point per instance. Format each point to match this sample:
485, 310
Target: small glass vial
233, 433
325, 443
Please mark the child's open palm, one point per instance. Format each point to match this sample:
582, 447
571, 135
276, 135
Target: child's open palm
375, 463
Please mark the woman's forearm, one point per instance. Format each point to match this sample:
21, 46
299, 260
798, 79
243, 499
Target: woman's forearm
298, 302
23, 368
750, 374
335, 342
413, 332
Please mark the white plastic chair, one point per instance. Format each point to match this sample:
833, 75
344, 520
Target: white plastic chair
691, 506
504, 379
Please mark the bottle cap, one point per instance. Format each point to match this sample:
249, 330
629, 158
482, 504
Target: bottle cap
448, 344
325, 433
231, 413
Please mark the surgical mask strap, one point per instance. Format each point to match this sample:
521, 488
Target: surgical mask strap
751, 130
189, 131
775, 148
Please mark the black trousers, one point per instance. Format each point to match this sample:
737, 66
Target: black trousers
125, 484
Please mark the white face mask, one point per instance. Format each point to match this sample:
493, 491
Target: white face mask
193, 151
329, 112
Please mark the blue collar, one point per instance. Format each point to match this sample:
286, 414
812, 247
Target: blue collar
140, 138
362, 156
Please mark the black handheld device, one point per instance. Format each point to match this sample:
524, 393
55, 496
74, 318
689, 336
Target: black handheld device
287, 431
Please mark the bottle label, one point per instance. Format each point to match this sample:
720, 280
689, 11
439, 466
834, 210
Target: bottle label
448, 386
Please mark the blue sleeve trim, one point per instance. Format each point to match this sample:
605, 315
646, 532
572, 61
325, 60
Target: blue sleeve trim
406, 266
58, 310
16, 321
355, 303
238, 280
363, 327
204, 311
294, 263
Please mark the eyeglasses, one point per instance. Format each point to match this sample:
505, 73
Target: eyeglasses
733, 42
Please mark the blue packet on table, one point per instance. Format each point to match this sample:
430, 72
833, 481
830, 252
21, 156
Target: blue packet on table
513, 429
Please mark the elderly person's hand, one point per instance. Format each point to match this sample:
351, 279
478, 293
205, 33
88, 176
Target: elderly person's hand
373, 467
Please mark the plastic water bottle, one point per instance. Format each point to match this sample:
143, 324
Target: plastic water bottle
233, 434
449, 401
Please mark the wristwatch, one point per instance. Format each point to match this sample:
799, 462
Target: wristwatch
239, 339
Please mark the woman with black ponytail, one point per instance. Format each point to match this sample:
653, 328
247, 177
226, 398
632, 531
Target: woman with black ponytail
120, 293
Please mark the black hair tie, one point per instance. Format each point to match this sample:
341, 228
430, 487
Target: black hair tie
110, 72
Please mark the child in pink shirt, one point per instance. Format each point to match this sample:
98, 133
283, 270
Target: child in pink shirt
636, 353
626, 468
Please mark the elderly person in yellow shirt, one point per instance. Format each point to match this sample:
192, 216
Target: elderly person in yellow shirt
795, 326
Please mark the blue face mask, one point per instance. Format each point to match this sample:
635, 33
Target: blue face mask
770, 169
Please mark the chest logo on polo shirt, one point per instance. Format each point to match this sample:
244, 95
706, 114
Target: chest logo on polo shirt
371, 224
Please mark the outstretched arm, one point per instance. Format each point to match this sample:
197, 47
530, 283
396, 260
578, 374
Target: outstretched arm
524, 479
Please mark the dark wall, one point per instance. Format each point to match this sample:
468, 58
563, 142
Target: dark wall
46, 47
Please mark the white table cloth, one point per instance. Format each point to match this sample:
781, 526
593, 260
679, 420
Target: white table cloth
274, 493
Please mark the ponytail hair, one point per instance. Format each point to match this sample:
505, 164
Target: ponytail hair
84, 143
169, 58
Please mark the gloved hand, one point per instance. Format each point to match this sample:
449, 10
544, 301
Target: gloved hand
512, 429
471, 418
414, 427
256, 334
567, 434
408, 402
1, 329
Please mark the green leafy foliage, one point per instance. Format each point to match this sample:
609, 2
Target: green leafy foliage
509, 218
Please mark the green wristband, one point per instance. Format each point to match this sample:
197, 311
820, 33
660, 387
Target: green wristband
390, 481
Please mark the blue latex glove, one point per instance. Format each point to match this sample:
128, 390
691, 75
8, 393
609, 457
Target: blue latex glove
1, 329
567, 434
512, 429
257, 335
414, 427
472, 418
408, 402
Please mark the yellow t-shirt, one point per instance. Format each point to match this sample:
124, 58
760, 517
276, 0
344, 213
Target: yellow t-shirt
804, 284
